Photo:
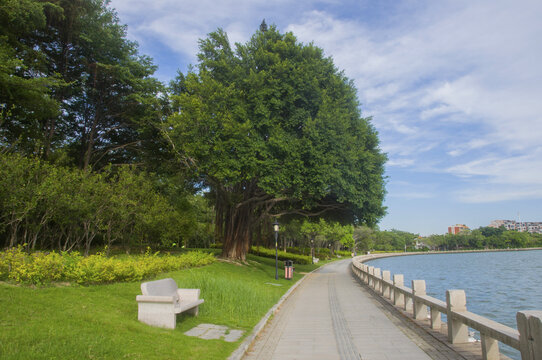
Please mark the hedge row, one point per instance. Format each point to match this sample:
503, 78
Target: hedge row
42, 268
321, 253
297, 259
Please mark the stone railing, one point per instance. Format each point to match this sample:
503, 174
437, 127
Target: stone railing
528, 340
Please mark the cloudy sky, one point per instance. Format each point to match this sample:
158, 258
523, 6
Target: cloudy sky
454, 89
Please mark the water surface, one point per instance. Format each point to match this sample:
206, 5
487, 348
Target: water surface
497, 284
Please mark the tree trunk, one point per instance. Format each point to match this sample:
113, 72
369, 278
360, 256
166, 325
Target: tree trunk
219, 220
13, 235
90, 143
238, 234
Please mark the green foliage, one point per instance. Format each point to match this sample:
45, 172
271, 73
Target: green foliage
52, 207
342, 234
273, 127
74, 89
364, 238
44, 268
100, 321
343, 253
389, 240
282, 255
320, 253
486, 238
25, 90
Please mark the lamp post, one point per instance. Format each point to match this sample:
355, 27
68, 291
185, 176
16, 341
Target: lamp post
276, 229
312, 251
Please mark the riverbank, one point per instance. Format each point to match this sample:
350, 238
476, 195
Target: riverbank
373, 256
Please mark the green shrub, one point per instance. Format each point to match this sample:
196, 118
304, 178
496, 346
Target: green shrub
298, 259
43, 268
321, 253
343, 253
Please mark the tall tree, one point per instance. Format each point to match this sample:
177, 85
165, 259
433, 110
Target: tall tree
273, 128
26, 100
72, 81
112, 103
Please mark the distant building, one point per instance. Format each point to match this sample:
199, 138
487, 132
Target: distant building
457, 228
531, 227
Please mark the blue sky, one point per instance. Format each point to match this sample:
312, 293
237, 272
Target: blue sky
454, 89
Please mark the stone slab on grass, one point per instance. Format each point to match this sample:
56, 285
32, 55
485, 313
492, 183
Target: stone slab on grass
215, 332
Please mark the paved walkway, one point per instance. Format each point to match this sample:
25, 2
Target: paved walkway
331, 316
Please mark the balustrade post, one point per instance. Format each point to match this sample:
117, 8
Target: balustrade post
436, 321
530, 334
490, 348
419, 308
366, 274
398, 297
371, 276
409, 304
385, 284
456, 301
377, 281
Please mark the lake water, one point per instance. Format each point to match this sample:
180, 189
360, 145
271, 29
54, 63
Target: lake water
497, 284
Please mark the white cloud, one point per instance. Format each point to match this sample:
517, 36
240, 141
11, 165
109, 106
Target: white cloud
400, 162
493, 179
179, 24
514, 170
401, 189
467, 66
497, 194
412, 195
453, 86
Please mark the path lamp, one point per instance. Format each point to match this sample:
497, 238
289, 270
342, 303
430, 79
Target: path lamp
312, 251
276, 229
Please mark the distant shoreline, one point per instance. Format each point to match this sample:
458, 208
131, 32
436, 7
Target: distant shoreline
369, 257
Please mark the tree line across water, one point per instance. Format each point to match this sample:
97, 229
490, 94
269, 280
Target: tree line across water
482, 238
96, 151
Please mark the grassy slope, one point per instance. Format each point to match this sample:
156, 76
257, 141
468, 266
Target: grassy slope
100, 322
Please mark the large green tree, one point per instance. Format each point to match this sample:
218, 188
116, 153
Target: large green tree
72, 83
26, 100
273, 128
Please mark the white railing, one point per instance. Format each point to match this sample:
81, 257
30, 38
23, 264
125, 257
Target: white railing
528, 340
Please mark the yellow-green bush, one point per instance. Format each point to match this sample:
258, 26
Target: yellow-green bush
43, 268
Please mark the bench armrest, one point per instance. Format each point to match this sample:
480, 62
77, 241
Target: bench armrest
154, 299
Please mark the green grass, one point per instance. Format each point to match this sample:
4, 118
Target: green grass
100, 321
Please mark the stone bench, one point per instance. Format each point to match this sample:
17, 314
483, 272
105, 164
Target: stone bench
162, 300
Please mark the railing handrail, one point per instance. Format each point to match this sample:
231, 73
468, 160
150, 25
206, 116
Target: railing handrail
494, 329
433, 302
490, 330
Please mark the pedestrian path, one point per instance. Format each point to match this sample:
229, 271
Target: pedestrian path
331, 316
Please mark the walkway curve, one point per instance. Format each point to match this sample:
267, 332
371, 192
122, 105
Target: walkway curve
331, 316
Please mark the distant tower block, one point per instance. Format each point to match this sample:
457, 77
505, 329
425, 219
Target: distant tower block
457, 228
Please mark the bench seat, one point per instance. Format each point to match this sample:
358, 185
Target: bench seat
162, 301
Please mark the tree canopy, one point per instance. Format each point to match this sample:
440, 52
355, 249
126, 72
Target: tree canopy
75, 93
269, 128
273, 128
72, 86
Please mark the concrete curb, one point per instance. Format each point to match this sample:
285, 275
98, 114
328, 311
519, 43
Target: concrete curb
242, 349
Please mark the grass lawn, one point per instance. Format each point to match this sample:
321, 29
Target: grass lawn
100, 321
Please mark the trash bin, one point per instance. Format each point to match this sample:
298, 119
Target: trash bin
288, 269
